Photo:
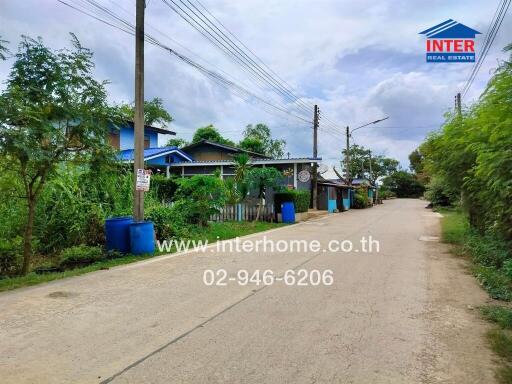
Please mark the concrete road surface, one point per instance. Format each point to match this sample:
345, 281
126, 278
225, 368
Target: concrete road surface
401, 315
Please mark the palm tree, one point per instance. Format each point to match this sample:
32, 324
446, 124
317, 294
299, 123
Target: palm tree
242, 167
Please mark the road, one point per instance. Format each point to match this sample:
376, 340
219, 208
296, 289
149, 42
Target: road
401, 315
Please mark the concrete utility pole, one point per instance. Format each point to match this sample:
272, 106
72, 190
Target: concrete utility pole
458, 106
138, 163
347, 158
315, 155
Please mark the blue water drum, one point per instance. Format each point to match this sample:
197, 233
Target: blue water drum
142, 237
288, 212
117, 233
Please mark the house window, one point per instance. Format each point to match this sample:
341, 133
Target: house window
147, 142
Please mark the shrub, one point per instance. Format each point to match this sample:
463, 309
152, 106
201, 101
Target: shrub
199, 197
163, 187
386, 194
300, 199
80, 255
10, 256
169, 221
361, 199
439, 193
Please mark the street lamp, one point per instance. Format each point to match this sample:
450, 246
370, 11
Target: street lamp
347, 155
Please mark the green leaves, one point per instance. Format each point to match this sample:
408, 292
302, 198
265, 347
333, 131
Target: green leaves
472, 154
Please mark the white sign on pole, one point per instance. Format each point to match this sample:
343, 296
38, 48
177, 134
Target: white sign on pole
143, 177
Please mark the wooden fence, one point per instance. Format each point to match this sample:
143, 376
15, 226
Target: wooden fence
244, 212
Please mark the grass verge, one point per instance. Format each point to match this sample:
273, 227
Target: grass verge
492, 266
214, 232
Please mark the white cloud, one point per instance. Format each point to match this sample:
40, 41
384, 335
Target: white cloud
359, 60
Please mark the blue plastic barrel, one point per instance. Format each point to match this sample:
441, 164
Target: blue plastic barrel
142, 237
117, 233
288, 212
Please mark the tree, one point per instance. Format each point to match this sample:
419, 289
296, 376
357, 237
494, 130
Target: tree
258, 138
252, 144
242, 168
3, 49
210, 133
403, 184
360, 164
261, 179
416, 161
177, 142
200, 196
51, 111
154, 112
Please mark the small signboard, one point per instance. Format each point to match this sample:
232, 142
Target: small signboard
143, 177
304, 176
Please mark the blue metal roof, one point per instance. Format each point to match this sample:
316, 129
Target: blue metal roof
151, 153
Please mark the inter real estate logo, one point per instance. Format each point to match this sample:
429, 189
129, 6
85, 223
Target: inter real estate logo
450, 42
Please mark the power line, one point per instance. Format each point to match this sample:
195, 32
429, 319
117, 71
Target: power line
215, 35
491, 35
127, 27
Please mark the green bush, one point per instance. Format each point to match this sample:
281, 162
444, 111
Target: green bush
10, 256
163, 187
439, 192
80, 256
199, 197
385, 194
299, 198
169, 221
361, 199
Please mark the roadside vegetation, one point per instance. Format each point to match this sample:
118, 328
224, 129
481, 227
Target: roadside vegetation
60, 178
467, 168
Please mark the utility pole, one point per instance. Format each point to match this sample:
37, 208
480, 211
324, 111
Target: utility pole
138, 163
347, 158
315, 155
370, 153
458, 106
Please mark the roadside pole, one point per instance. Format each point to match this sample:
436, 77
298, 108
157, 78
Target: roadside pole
458, 105
138, 163
347, 158
315, 155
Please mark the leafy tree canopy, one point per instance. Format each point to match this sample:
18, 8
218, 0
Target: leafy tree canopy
51, 111
360, 158
177, 142
258, 138
212, 134
154, 112
403, 184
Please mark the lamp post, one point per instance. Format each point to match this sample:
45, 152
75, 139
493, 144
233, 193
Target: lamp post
347, 154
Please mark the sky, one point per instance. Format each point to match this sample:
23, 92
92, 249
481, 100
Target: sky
358, 60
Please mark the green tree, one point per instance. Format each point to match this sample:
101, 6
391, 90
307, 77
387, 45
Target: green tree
360, 158
154, 112
200, 197
403, 184
471, 153
3, 49
177, 142
261, 179
212, 134
242, 168
258, 138
252, 144
51, 111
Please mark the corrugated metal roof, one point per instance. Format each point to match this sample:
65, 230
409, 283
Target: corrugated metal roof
151, 153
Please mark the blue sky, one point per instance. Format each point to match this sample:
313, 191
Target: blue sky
358, 60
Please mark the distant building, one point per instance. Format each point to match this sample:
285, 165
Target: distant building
122, 137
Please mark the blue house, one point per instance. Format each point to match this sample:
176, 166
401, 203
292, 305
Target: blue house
122, 137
